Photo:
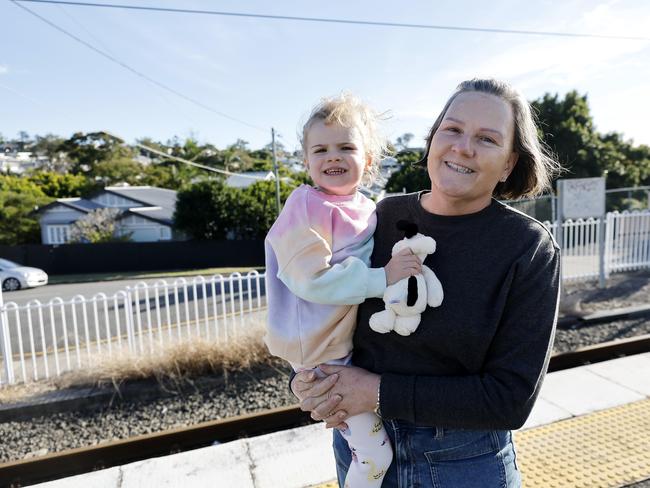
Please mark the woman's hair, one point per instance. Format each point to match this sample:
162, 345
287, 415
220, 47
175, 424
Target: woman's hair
350, 112
536, 166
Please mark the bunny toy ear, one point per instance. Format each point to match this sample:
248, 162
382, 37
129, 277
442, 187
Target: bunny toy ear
409, 228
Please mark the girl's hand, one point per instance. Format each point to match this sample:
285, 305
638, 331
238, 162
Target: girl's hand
316, 396
402, 265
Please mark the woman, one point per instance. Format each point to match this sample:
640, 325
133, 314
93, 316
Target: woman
450, 393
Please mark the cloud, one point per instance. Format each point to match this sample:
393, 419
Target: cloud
3, 69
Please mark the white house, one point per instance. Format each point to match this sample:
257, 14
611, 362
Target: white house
146, 213
19, 162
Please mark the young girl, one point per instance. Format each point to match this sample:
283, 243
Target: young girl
317, 263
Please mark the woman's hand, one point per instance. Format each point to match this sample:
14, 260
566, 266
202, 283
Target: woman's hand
402, 265
316, 396
357, 389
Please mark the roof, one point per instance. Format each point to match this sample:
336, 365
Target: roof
158, 204
243, 180
79, 204
157, 214
148, 195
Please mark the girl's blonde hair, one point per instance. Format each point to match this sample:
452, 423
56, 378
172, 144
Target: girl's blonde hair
349, 111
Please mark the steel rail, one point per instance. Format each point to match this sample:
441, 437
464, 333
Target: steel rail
115, 453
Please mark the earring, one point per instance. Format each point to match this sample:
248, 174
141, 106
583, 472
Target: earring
503, 180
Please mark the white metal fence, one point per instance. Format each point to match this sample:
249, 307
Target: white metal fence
41, 340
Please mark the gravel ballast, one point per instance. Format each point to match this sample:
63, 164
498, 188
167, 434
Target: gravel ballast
247, 392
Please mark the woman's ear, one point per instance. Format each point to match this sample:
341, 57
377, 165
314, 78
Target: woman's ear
512, 162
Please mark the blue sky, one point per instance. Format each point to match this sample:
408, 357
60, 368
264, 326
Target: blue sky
268, 73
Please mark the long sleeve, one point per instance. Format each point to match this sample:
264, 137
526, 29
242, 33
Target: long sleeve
502, 394
302, 240
317, 271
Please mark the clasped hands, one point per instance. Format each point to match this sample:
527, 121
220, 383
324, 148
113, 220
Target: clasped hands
345, 391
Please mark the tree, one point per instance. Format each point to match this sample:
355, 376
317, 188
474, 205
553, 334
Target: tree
117, 170
411, 177
57, 185
19, 198
402, 142
567, 128
86, 150
212, 210
99, 225
50, 146
205, 210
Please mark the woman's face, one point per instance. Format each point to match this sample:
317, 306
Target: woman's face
470, 153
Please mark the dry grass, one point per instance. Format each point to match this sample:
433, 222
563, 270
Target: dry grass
177, 364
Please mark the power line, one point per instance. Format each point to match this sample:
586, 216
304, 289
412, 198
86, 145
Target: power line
135, 71
182, 160
339, 21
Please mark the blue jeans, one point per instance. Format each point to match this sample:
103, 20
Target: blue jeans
442, 458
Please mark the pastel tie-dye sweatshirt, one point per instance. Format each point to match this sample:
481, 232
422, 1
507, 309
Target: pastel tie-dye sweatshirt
317, 272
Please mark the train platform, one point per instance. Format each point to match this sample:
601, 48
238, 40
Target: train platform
590, 428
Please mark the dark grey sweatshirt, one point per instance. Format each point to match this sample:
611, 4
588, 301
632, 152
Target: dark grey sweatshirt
478, 360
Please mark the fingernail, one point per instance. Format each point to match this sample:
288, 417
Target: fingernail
335, 376
338, 398
341, 415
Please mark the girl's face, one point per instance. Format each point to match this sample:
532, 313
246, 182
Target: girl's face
470, 153
336, 157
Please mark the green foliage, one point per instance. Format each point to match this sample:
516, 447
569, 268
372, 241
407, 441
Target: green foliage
411, 177
567, 127
97, 226
115, 170
211, 210
57, 185
19, 198
87, 150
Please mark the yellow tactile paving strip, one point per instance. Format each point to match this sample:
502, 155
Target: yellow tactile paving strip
606, 449
610, 448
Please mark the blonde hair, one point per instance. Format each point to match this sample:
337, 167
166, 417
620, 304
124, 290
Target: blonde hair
350, 112
536, 166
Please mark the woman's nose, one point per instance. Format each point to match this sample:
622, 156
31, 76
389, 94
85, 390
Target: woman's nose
464, 146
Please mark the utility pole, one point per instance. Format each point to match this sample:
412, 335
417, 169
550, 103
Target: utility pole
275, 170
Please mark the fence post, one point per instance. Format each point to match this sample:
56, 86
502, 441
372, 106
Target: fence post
129, 319
5, 342
602, 273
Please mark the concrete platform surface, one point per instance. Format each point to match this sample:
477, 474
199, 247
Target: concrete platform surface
302, 457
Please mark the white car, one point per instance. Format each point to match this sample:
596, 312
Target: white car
13, 276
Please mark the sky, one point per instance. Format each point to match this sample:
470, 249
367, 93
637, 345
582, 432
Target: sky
247, 75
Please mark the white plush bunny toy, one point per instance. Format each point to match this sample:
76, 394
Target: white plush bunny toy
407, 299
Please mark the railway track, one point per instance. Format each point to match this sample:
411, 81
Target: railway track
76, 461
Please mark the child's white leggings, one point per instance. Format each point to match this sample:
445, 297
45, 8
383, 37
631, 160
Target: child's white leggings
371, 451
368, 441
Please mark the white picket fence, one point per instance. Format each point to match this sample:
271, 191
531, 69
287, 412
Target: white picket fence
42, 340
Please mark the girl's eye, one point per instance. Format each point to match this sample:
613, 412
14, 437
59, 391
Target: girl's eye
348, 148
455, 130
488, 139
319, 150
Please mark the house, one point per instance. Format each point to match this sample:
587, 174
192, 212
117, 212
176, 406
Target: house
244, 180
146, 213
21, 161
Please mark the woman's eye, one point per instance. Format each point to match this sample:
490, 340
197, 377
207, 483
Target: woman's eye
455, 130
488, 139
319, 150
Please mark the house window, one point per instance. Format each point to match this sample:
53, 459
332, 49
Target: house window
165, 233
58, 234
